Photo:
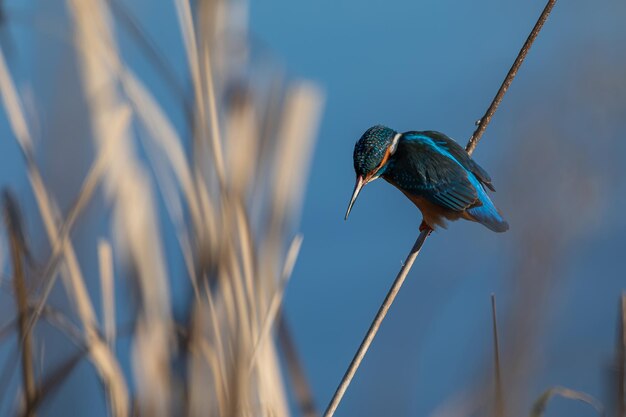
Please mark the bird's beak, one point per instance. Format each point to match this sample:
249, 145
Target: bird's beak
357, 189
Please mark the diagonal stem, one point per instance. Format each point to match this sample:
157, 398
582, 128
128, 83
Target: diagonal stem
299, 382
482, 125
371, 333
408, 264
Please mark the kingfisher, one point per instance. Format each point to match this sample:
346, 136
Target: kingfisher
432, 170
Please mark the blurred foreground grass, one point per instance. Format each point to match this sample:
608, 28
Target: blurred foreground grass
227, 193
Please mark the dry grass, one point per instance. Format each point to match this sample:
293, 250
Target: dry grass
540, 405
231, 197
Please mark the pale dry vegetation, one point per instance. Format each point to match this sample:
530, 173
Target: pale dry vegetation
227, 194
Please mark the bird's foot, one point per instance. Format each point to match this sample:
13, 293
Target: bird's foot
424, 226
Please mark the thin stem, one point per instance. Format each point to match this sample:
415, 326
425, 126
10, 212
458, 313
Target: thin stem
151, 51
482, 125
397, 284
54, 381
499, 401
621, 359
21, 297
296, 371
371, 333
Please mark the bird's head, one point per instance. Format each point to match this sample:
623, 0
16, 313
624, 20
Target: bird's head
371, 155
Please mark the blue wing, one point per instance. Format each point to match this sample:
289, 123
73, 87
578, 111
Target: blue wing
423, 167
460, 155
433, 166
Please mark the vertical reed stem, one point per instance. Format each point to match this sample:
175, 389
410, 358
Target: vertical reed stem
499, 400
621, 359
21, 298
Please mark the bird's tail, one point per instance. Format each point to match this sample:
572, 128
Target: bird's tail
487, 214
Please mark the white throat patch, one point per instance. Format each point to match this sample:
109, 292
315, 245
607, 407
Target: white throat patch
394, 143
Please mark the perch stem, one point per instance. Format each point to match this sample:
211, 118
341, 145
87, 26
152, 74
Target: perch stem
484, 121
371, 333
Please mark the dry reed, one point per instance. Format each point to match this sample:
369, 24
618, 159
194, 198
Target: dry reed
232, 225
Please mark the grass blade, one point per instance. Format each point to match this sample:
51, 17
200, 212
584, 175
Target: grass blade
542, 402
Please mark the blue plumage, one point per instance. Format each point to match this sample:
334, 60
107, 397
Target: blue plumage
486, 213
432, 170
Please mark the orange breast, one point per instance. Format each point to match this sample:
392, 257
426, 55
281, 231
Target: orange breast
434, 215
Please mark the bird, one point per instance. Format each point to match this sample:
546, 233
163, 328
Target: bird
432, 170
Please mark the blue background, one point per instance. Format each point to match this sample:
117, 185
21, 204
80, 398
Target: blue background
555, 150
